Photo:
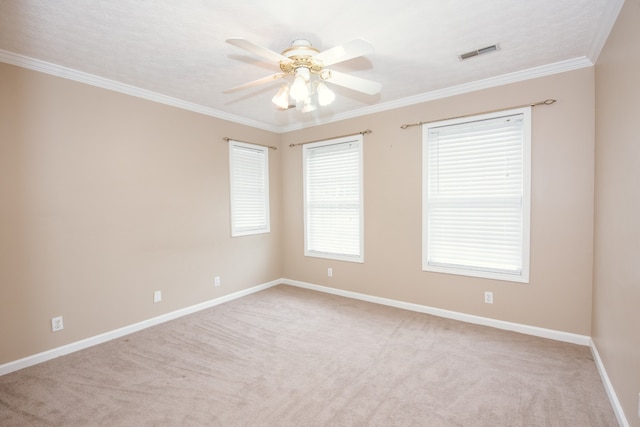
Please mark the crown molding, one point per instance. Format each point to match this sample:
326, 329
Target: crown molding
104, 83
90, 79
518, 76
606, 25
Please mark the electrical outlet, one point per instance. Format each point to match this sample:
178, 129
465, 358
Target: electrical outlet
488, 297
330, 272
157, 296
57, 324
216, 281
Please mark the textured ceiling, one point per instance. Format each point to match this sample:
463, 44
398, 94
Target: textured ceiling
176, 49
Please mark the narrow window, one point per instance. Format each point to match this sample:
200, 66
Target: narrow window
249, 179
333, 223
476, 195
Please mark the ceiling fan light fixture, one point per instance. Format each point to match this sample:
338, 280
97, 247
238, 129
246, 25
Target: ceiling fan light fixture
281, 99
308, 106
325, 95
299, 90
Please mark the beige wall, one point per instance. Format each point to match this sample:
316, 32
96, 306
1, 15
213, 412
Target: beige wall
559, 293
105, 198
616, 309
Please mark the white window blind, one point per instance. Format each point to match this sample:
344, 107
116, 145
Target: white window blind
249, 182
332, 173
476, 196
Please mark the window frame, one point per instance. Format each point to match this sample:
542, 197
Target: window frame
475, 271
310, 252
236, 229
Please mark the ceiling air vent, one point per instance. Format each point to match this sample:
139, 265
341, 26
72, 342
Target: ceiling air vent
482, 51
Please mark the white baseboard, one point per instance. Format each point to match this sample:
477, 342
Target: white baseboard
613, 397
525, 329
469, 318
117, 333
516, 327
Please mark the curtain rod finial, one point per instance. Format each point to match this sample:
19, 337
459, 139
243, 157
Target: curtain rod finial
545, 102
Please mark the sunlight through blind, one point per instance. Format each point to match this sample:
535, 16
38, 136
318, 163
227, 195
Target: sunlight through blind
333, 198
476, 196
249, 179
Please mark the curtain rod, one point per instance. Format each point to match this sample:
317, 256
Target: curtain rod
364, 132
273, 147
545, 102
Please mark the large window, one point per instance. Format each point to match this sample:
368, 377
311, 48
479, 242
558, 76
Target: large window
476, 195
249, 179
333, 223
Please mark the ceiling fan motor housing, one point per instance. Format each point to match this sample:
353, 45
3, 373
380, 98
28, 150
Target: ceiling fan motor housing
301, 54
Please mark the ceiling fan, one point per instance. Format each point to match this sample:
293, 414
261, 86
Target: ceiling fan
306, 65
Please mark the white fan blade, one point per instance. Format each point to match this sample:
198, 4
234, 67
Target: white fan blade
258, 50
258, 82
351, 49
355, 83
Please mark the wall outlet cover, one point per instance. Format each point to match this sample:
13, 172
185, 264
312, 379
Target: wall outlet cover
488, 297
57, 324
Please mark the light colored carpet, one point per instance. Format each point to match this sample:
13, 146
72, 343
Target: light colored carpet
293, 357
